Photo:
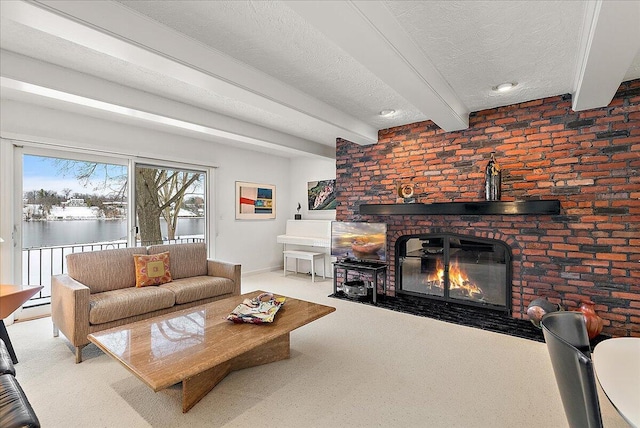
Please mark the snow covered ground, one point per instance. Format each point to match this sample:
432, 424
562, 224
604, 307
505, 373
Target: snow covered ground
74, 213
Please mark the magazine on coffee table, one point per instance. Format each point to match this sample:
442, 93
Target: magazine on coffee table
259, 310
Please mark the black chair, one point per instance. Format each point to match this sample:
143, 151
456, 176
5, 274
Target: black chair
568, 345
15, 409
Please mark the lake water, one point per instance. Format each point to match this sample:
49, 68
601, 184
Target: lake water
68, 232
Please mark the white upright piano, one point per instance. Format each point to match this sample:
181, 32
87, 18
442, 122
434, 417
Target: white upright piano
309, 235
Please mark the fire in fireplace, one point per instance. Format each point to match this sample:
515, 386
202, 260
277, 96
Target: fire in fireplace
459, 282
456, 268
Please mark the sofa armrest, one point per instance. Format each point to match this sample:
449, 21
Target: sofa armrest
70, 308
225, 270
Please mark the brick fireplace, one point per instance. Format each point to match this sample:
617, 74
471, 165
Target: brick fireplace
589, 161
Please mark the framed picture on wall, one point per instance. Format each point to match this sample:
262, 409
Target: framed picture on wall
322, 195
255, 201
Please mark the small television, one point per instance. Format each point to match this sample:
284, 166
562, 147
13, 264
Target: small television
359, 241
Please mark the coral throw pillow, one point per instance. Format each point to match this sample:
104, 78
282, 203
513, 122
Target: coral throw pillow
152, 269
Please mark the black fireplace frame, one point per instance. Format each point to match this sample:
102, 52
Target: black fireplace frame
400, 253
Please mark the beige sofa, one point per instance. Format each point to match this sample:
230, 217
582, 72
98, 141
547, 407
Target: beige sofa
99, 290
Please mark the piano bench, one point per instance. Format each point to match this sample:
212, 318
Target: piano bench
304, 255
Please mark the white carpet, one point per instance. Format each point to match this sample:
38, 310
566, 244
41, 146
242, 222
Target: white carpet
360, 366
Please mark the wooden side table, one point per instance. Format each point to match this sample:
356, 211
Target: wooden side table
11, 298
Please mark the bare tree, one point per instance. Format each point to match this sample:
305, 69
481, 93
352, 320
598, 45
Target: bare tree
66, 192
47, 199
30, 196
160, 192
95, 176
172, 191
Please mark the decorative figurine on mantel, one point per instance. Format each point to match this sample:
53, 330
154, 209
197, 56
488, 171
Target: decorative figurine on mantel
405, 193
493, 180
298, 216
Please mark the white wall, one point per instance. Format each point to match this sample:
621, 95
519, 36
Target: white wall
251, 243
304, 170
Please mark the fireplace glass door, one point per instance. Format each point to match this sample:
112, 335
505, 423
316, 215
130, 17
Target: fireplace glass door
423, 266
455, 268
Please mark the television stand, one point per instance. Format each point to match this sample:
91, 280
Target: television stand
373, 269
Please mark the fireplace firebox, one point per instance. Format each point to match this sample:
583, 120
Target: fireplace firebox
455, 268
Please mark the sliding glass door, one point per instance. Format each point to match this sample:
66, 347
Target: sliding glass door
170, 204
70, 203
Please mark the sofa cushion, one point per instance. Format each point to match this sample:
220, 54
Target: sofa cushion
118, 304
104, 270
186, 259
198, 287
152, 269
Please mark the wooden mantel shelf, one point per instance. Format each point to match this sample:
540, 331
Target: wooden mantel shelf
535, 207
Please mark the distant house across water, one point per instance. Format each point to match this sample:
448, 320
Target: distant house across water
74, 202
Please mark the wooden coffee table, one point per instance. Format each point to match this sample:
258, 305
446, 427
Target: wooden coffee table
199, 347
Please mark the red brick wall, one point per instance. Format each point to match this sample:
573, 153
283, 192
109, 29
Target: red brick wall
588, 160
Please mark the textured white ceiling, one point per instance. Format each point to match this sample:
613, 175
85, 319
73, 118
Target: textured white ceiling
272, 38
478, 45
472, 46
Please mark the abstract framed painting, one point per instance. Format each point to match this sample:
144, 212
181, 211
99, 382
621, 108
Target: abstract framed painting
255, 201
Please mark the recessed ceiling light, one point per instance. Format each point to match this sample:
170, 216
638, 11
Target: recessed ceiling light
504, 87
387, 112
